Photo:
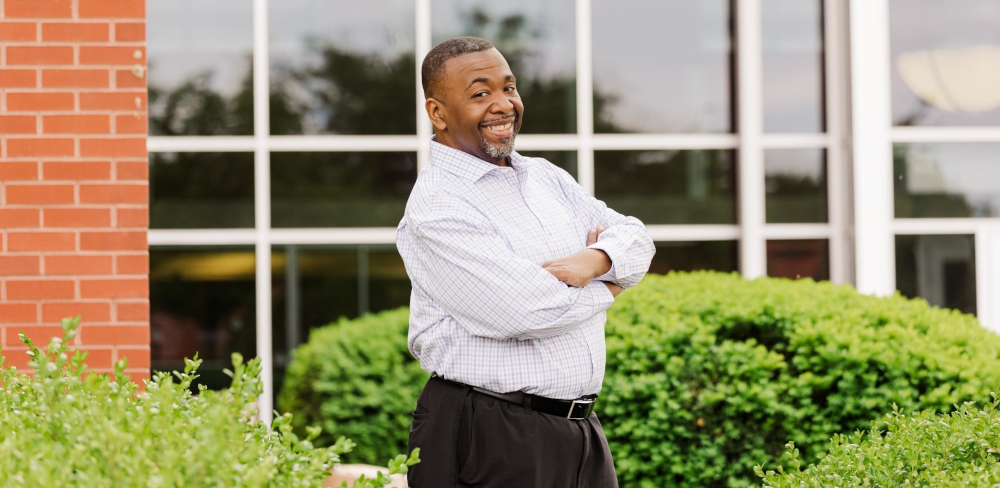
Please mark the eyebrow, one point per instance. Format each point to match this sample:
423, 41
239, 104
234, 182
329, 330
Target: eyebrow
486, 80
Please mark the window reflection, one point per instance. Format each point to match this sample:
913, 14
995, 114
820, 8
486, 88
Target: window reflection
792, 42
947, 180
794, 259
695, 256
201, 301
366, 189
668, 187
563, 159
539, 42
201, 190
938, 268
200, 68
795, 185
662, 66
945, 62
342, 67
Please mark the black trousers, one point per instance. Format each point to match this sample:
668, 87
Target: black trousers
468, 439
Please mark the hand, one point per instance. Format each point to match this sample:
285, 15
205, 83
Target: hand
594, 234
581, 268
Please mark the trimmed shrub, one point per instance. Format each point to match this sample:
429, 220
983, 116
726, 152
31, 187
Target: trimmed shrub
67, 427
710, 374
356, 378
925, 450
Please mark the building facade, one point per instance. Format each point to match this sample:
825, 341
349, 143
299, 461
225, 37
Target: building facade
851, 141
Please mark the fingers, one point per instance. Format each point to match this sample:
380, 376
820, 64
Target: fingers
591, 236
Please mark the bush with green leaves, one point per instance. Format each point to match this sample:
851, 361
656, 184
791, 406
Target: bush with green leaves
68, 427
356, 378
925, 450
710, 374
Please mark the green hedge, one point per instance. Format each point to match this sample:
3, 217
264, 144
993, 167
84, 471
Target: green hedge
710, 374
925, 450
67, 427
356, 378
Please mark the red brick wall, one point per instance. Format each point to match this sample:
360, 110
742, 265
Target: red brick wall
74, 177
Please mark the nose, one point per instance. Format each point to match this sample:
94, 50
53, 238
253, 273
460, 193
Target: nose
502, 105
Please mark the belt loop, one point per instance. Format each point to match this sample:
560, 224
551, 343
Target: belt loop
526, 403
466, 390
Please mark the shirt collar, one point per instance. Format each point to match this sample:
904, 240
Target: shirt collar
464, 164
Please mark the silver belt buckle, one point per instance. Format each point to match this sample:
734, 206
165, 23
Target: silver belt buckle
573, 407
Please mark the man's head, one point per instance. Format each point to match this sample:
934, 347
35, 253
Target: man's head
471, 98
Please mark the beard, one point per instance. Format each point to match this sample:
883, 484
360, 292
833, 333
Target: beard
499, 151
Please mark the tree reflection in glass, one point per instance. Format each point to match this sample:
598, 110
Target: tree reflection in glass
945, 180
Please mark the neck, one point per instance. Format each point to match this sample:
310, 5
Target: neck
471, 150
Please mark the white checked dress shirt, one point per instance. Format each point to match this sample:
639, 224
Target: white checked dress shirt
483, 311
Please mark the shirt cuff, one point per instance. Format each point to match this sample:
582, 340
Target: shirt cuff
612, 251
600, 294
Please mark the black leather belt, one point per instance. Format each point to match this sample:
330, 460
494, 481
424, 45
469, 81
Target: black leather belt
578, 409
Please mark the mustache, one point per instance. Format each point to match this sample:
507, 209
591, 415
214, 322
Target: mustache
509, 118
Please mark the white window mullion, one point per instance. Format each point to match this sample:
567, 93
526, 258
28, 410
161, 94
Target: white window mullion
422, 10
749, 69
584, 96
838, 193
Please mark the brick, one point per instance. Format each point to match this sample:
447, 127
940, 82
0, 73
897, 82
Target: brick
18, 148
132, 170
125, 79
40, 334
56, 265
133, 217
132, 264
18, 78
16, 358
75, 32
115, 334
99, 358
138, 357
18, 171
77, 217
12, 218
130, 31
17, 124
39, 194
39, 102
113, 241
88, 311
76, 124
117, 288
18, 313
75, 78
132, 147
116, 9
113, 101
40, 289
76, 170
18, 31
41, 241
38, 9
118, 193
131, 124
133, 311
112, 55
36, 55
19, 265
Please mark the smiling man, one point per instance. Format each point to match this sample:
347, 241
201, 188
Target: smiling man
513, 265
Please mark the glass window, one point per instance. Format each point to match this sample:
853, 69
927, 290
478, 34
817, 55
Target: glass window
796, 185
695, 256
945, 62
316, 285
792, 41
200, 67
947, 180
938, 268
794, 259
563, 159
201, 190
201, 301
668, 187
367, 189
662, 66
342, 67
538, 39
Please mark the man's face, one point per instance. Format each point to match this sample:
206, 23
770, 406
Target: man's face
482, 109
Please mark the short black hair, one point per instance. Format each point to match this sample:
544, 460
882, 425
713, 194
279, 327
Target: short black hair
430, 71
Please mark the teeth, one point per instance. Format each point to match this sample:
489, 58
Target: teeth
502, 127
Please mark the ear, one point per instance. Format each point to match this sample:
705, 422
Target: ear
436, 112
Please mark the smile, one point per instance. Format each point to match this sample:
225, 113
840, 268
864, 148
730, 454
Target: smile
500, 130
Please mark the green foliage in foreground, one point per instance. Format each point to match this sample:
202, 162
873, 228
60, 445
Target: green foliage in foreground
711, 374
67, 428
925, 450
356, 378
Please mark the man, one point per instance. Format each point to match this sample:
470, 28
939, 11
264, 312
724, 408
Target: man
513, 265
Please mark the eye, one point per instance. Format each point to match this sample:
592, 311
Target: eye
480, 94
510, 88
